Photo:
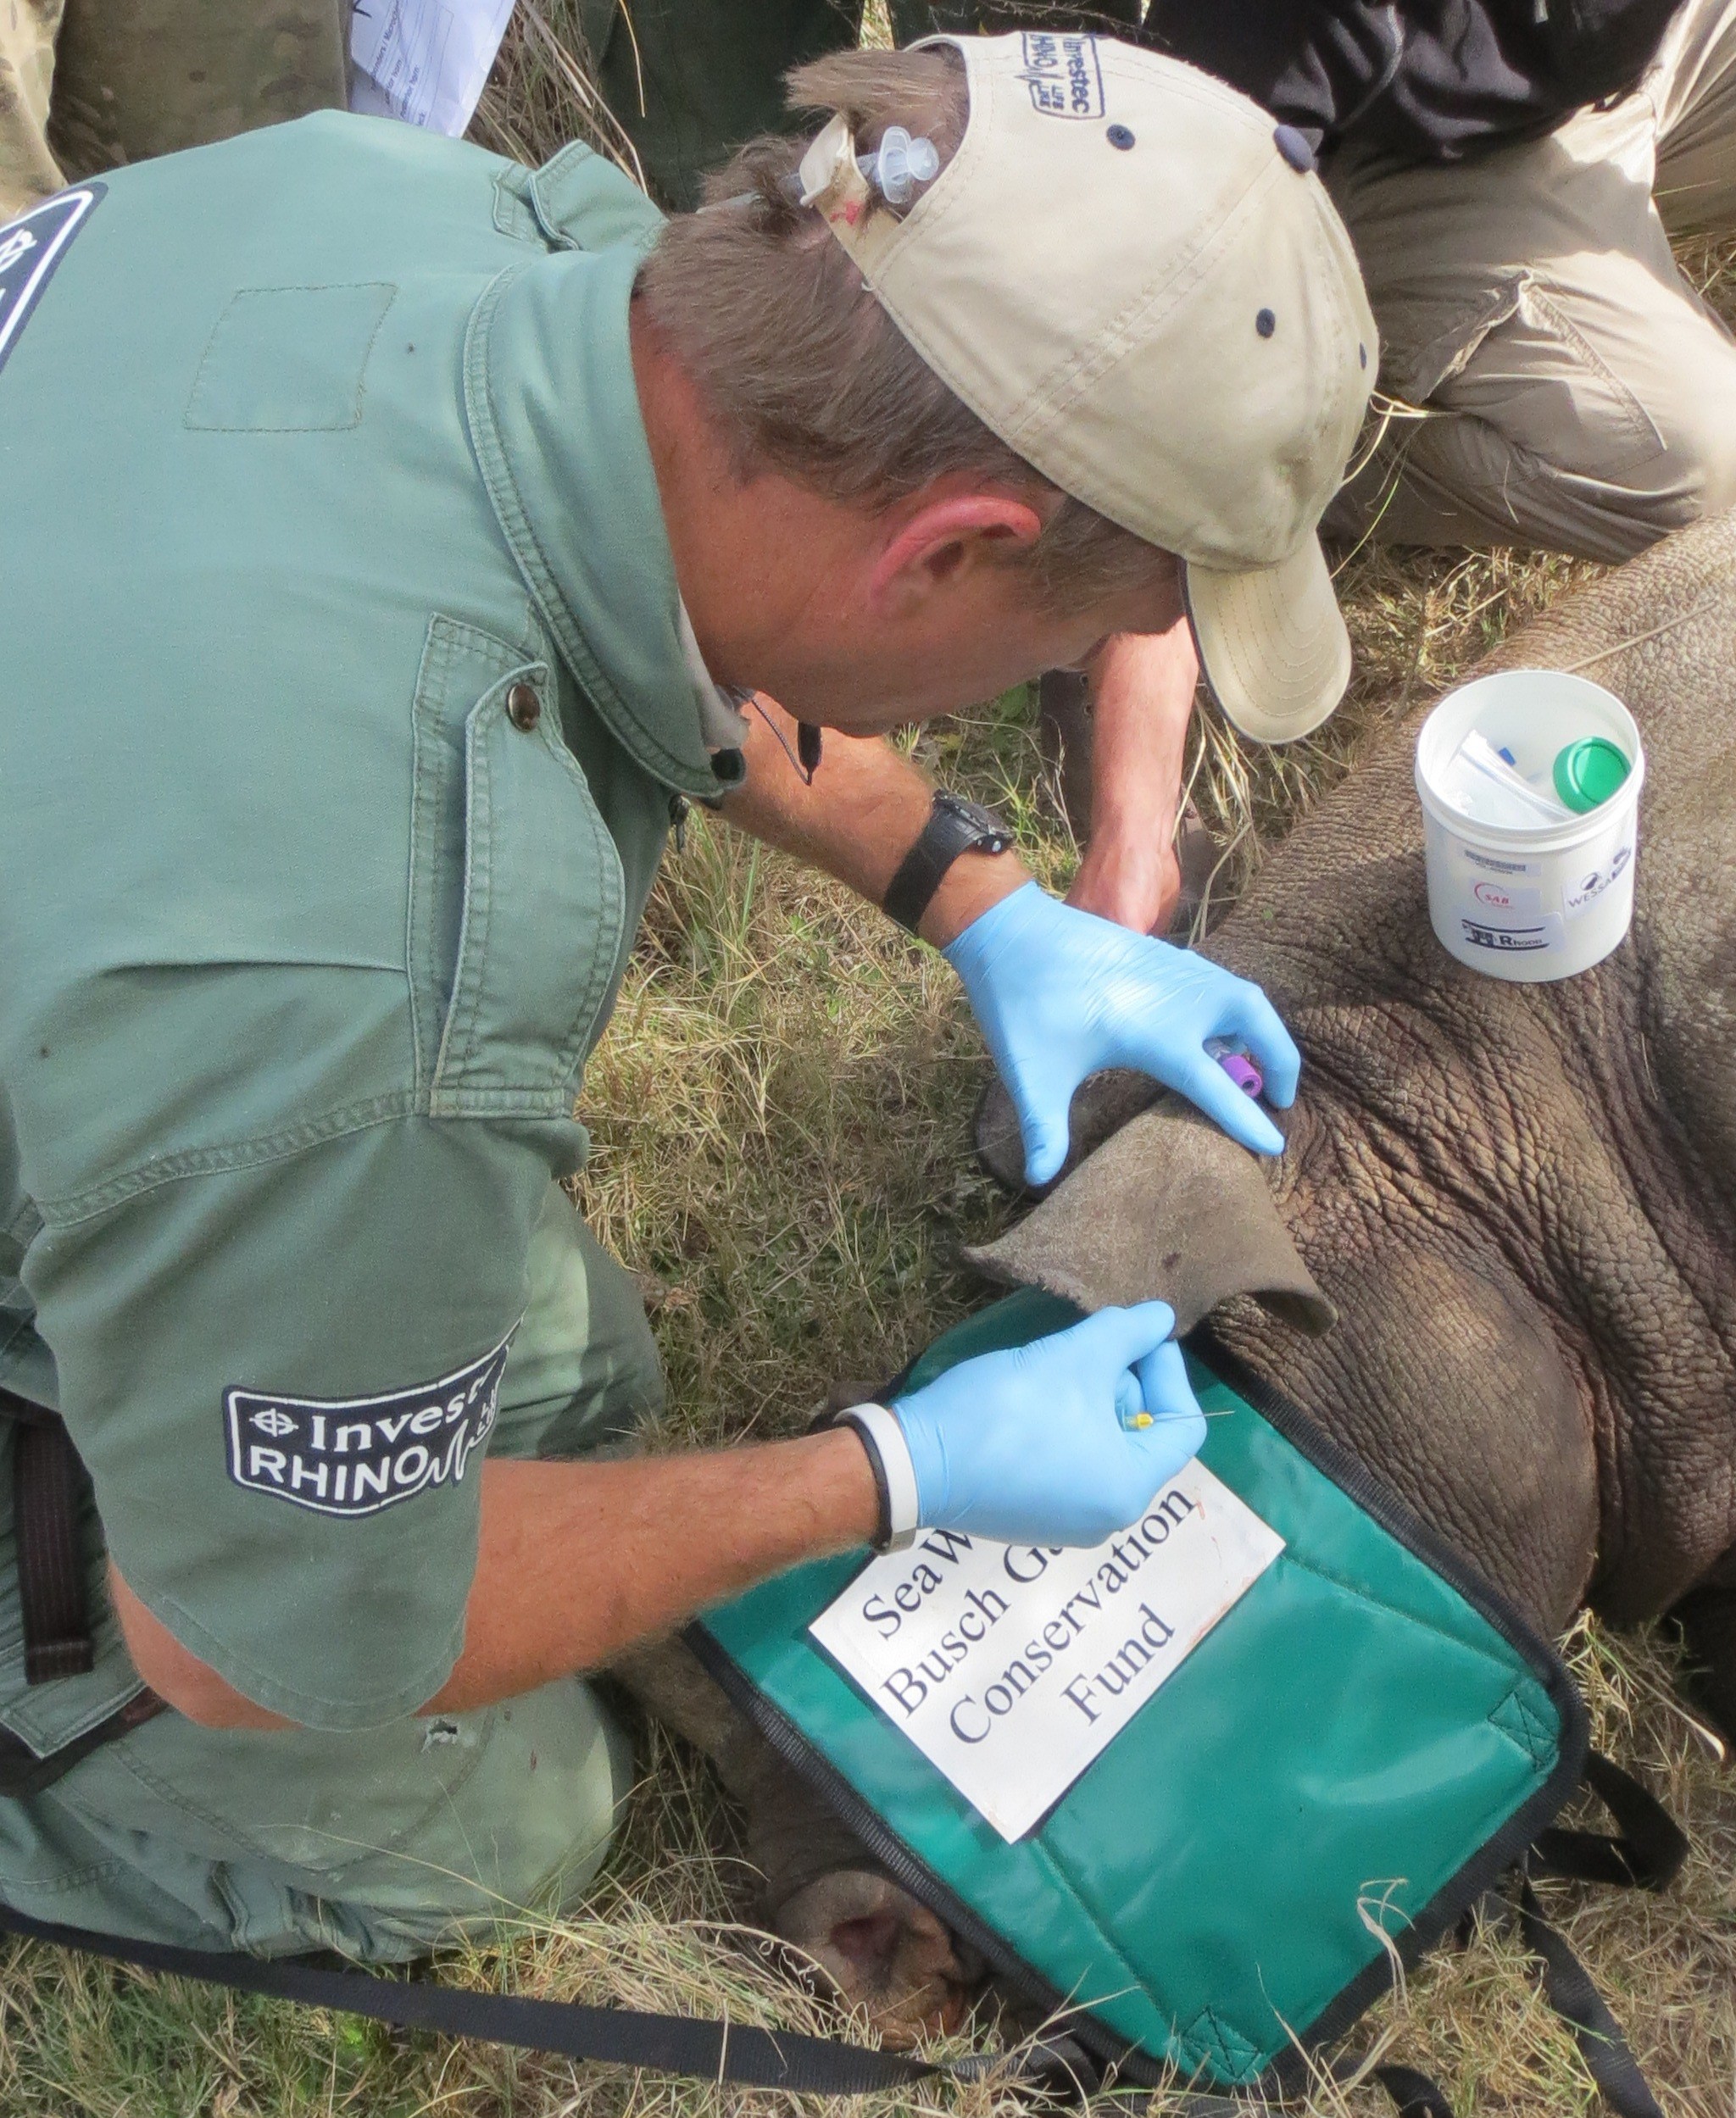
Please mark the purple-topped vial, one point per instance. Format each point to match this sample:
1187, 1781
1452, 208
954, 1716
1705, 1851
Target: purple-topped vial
1238, 1065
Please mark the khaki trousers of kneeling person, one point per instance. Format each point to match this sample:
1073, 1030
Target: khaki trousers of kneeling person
88, 85
378, 1843
1578, 394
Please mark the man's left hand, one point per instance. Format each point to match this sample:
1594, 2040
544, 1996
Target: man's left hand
1062, 994
1142, 700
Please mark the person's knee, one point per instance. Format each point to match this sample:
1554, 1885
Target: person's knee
1585, 418
583, 1372
1699, 456
522, 1837
1562, 473
1689, 474
1639, 445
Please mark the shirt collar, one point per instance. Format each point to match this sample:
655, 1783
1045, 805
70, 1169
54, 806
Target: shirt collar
723, 720
556, 427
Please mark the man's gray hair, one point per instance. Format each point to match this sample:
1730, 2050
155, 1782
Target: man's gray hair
801, 368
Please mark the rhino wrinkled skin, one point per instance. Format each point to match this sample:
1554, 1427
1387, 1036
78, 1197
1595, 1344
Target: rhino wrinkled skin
1520, 1201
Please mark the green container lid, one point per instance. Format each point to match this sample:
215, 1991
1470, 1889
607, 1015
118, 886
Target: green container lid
1589, 772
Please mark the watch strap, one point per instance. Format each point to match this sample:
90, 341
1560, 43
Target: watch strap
954, 827
894, 1474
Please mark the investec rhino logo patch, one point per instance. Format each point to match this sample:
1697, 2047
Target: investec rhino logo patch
1063, 75
30, 247
356, 1455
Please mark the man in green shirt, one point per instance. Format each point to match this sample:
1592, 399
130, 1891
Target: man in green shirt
391, 537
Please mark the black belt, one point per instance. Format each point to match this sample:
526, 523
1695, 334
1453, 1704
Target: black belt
48, 1484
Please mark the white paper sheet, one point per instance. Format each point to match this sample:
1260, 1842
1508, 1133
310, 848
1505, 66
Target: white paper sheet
424, 61
1010, 1667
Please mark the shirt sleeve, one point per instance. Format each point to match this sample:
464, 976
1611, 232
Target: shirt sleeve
281, 1377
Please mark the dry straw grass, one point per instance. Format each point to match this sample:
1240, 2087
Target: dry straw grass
781, 1124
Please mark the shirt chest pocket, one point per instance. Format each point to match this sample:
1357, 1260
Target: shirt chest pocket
517, 902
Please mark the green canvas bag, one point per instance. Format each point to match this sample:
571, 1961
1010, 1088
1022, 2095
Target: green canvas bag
1360, 1748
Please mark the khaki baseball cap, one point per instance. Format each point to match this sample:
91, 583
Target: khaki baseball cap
1133, 276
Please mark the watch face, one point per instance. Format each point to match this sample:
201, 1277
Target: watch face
985, 823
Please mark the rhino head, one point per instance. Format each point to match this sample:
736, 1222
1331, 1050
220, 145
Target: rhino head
1505, 1218
1497, 1261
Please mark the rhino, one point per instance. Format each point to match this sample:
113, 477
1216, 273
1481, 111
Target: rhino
1496, 1262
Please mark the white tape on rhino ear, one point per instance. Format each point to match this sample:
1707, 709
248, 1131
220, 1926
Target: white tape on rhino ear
830, 175
833, 177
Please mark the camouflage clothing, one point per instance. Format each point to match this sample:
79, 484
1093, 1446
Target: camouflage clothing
28, 172
88, 85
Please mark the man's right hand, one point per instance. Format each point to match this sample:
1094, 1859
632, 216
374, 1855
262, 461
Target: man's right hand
1038, 1444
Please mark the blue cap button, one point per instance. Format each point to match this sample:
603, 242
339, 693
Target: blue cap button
1294, 147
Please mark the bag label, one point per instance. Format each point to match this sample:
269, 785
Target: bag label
1583, 890
1496, 866
1012, 1666
1545, 931
1510, 899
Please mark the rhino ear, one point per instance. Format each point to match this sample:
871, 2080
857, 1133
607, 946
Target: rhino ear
1171, 1210
1102, 1105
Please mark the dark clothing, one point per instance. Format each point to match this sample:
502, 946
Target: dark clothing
691, 79
1424, 80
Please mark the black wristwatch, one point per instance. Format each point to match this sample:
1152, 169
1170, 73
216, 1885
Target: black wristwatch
954, 827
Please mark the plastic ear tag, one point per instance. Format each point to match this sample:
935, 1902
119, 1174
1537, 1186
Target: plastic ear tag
830, 178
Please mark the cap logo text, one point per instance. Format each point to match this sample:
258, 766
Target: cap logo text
1062, 74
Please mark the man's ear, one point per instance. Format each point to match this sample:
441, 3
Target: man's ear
942, 540
1168, 1209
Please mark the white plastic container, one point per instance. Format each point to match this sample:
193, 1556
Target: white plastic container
1537, 902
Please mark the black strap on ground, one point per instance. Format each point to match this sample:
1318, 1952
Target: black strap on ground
1414, 2094
624, 2036
696, 2046
1567, 1987
1647, 1854
713, 2051
47, 1479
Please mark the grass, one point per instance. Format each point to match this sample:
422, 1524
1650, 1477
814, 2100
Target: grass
781, 1120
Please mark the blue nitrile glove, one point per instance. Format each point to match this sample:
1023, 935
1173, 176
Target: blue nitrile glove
1033, 1445
1061, 993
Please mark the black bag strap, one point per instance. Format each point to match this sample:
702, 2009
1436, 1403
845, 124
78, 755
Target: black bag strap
1414, 2094
1568, 1989
1646, 1854
698, 2048
626, 2036
46, 1480
721, 2052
